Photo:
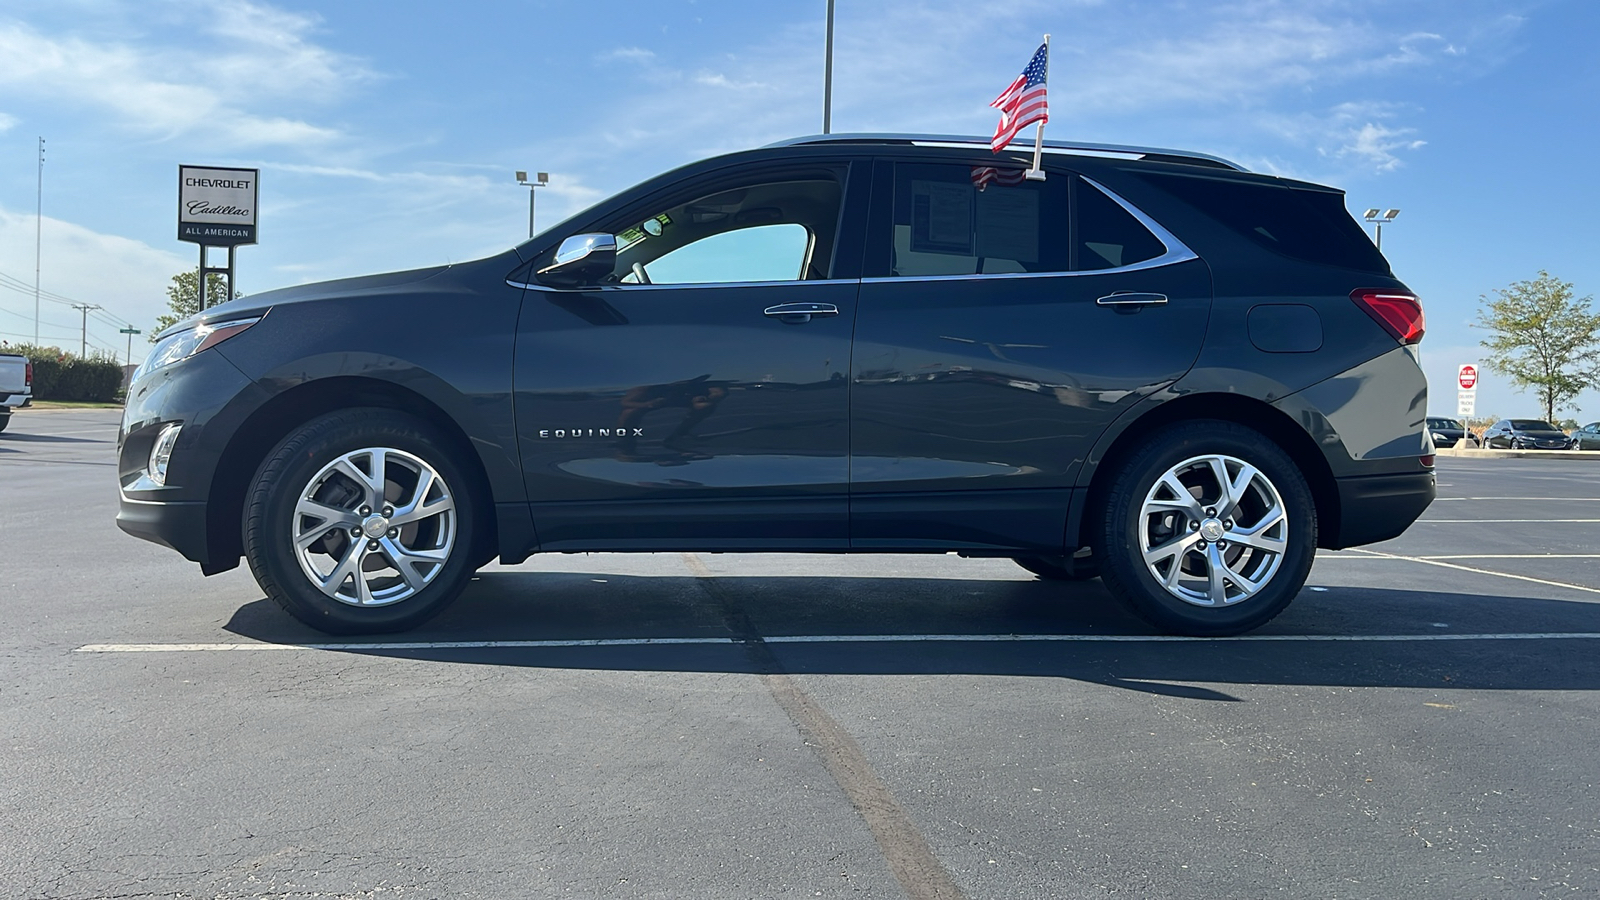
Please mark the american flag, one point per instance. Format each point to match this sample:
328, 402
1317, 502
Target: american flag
982, 176
1023, 103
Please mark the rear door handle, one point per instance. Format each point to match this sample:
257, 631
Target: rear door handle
800, 313
1132, 298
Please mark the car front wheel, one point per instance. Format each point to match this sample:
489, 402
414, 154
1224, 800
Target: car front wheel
1209, 529
361, 521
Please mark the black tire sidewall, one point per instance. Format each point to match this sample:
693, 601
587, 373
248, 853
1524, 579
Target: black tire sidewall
276, 490
1122, 565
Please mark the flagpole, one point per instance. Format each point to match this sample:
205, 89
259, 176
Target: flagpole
1036, 173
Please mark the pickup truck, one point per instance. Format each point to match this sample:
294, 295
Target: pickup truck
16, 385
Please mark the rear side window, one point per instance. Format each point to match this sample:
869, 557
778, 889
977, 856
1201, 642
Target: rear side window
976, 220
952, 219
1307, 225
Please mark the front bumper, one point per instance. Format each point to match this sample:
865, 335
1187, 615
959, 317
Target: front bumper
209, 397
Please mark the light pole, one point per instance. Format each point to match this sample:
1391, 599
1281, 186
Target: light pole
827, 77
1377, 221
540, 180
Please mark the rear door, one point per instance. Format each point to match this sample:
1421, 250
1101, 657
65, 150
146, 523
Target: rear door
699, 398
1003, 325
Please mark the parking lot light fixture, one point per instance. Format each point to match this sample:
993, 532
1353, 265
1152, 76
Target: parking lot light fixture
1377, 220
540, 180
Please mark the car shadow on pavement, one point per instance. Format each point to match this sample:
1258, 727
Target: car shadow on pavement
968, 627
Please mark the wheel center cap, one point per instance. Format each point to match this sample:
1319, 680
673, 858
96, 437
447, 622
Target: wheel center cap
375, 526
1212, 530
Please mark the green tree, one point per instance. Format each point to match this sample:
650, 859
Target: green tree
183, 298
1542, 338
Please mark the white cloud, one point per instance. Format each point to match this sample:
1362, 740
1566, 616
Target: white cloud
223, 97
7, 122
126, 277
629, 54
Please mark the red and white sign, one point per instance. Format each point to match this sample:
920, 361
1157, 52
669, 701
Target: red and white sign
1467, 377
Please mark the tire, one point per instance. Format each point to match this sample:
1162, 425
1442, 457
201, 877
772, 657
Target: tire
4, 421
1049, 570
316, 511
1203, 586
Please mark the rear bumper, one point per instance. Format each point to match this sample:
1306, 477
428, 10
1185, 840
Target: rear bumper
1376, 508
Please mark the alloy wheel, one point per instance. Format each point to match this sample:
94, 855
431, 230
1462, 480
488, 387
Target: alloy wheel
1213, 530
374, 526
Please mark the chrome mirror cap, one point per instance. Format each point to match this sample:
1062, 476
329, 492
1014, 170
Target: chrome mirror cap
581, 246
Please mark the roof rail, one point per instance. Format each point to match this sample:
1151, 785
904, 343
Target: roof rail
1156, 154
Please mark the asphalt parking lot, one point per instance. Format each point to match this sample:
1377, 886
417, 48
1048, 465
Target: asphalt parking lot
1422, 722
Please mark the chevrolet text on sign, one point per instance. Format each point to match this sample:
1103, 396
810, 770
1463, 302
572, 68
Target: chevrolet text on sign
217, 206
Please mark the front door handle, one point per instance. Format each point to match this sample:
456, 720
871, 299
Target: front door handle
1132, 298
800, 313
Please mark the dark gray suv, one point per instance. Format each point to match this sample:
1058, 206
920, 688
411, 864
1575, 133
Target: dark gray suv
1149, 366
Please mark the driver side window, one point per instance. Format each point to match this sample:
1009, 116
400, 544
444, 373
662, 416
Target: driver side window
761, 253
774, 230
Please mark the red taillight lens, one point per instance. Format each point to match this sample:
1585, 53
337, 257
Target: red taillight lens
1427, 461
1400, 314
27, 374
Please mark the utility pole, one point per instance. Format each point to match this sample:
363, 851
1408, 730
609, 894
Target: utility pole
38, 240
83, 348
827, 77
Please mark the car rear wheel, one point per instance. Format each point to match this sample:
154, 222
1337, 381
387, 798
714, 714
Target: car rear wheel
1209, 529
361, 521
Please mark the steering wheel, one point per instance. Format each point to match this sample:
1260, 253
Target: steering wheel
639, 273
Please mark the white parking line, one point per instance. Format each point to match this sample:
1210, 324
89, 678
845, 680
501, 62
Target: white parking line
1449, 565
1501, 521
843, 639
1539, 499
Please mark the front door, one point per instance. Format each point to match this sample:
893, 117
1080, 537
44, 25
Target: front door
699, 397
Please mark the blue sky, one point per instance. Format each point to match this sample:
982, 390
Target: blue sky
387, 132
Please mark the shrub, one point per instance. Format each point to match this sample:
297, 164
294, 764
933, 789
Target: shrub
58, 375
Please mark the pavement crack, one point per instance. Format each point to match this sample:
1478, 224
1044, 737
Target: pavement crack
910, 857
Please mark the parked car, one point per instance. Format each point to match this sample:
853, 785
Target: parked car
1525, 434
1151, 364
1449, 432
1587, 437
16, 385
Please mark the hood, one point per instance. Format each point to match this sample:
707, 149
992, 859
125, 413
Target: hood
255, 304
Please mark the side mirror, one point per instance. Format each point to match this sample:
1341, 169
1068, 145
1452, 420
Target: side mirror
582, 260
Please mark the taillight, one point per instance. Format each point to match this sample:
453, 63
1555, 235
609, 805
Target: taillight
1426, 460
27, 374
1399, 313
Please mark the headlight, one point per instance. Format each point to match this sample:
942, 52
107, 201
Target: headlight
1439, 437
186, 343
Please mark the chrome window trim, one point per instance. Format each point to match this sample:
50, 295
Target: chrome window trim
1176, 252
631, 288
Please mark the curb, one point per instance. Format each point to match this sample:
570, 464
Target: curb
1476, 453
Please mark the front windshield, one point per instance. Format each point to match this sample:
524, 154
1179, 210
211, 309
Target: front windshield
1532, 425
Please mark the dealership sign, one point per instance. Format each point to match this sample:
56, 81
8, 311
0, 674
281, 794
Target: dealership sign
217, 207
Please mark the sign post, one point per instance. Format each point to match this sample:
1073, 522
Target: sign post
217, 208
130, 331
1466, 397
